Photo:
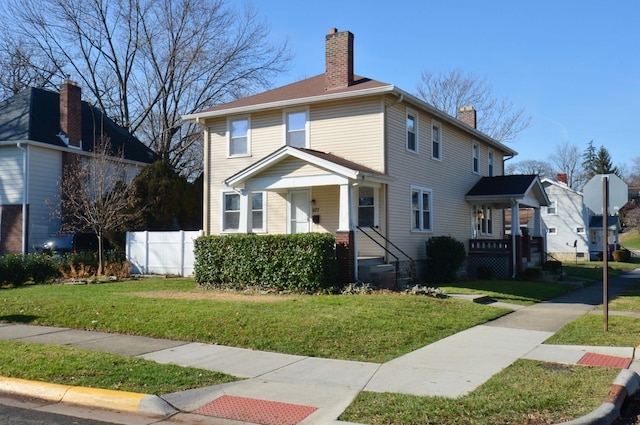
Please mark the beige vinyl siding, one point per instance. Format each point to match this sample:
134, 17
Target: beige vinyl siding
448, 179
327, 205
352, 130
276, 212
293, 167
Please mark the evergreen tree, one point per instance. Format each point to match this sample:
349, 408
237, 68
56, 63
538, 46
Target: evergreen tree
589, 161
603, 162
597, 162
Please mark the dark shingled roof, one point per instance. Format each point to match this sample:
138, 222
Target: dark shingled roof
34, 115
595, 222
516, 185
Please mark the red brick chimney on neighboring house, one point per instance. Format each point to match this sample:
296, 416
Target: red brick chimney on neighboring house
467, 114
339, 59
71, 112
562, 178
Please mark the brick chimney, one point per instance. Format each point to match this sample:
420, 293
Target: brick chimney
467, 114
71, 112
339, 59
562, 178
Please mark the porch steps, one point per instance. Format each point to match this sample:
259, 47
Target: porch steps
376, 272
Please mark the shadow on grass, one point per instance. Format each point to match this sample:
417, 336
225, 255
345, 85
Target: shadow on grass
18, 318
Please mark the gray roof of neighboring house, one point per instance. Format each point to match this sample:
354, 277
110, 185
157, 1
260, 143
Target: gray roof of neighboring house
595, 222
34, 114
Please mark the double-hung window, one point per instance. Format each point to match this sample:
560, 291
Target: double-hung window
296, 126
476, 158
231, 212
436, 141
412, 131
239, 136
552, 208
421, 207
366, 207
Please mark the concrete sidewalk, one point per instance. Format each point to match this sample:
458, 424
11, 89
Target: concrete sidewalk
309, 390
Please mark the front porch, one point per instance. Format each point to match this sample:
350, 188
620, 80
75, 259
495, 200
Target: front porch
500, 258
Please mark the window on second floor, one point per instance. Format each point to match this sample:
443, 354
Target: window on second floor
552, 208
436, 141
476, 158
239, 136
296, 128
421, 209
412, 131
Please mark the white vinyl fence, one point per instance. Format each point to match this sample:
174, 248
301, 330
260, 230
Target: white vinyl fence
162, 252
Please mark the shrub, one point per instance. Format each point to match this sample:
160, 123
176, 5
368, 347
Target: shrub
40, 268
552, 266
300, 263
622, 255
445, 256
532, 273
13, 270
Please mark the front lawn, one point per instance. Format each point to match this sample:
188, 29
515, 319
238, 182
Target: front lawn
509, 291
373, 328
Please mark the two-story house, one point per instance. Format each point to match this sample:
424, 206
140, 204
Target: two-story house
40, 132
362, 159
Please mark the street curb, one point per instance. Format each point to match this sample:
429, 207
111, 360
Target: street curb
626, 383
90, 397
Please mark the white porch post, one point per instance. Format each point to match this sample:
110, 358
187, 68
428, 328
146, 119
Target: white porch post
515, 230
537, 222
245, 224
346, 195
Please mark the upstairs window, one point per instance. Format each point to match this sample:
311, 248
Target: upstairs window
436, 142
296, 129
552, 208
420, 209
239, 136
412, 131
476, 158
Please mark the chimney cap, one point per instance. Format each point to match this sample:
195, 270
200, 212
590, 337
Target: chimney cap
466, 108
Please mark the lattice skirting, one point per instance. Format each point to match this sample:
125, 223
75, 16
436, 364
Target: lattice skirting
499, 265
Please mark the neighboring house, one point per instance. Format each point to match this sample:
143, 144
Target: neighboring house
566, 220
41, 131
362, 159
574, 232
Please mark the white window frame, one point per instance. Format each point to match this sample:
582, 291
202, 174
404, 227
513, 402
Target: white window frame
285, 125
552, 209
436, 140
223, 210
230, 122
581, 230
421, 225
486, 222
475, 157
374, 206
552, 231
491, 163
413, 114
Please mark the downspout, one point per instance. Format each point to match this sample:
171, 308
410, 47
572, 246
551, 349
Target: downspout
25, 195
515, 215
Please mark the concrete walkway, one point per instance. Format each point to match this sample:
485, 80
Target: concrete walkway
451, 367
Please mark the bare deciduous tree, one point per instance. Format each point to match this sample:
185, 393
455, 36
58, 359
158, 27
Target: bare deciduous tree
530, 166
148, 62
567, 159
96, 196
22, 67
451, 90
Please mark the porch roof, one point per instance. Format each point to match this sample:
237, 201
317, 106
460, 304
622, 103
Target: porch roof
336, 166
526, 189
613, 222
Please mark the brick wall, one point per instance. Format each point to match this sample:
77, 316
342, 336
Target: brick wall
339, 59
11, 229
71, 112
346, 256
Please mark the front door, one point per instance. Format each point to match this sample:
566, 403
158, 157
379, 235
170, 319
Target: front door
299, 206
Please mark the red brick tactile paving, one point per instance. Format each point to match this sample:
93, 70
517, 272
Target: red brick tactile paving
593, 359
255, 411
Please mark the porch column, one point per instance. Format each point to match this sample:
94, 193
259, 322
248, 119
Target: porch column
515, 230
537, 222
245, 225
346, 195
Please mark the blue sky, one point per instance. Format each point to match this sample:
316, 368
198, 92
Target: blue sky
574, 66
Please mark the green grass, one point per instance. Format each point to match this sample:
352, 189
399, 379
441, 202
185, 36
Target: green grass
621, 330
74, 366
630, 239
509, 291
526, 392
374, 328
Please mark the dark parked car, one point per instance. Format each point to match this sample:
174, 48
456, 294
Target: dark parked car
64, 243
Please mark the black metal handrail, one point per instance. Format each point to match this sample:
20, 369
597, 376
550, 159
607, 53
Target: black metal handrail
397, 259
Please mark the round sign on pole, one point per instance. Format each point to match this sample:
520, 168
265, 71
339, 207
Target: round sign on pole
592, 194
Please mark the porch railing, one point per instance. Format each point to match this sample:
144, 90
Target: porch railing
396, 258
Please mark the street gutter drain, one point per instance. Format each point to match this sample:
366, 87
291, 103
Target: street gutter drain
593, 359
255, 411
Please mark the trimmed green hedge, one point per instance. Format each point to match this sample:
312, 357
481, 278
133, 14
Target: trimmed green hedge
16, 269
300, 263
